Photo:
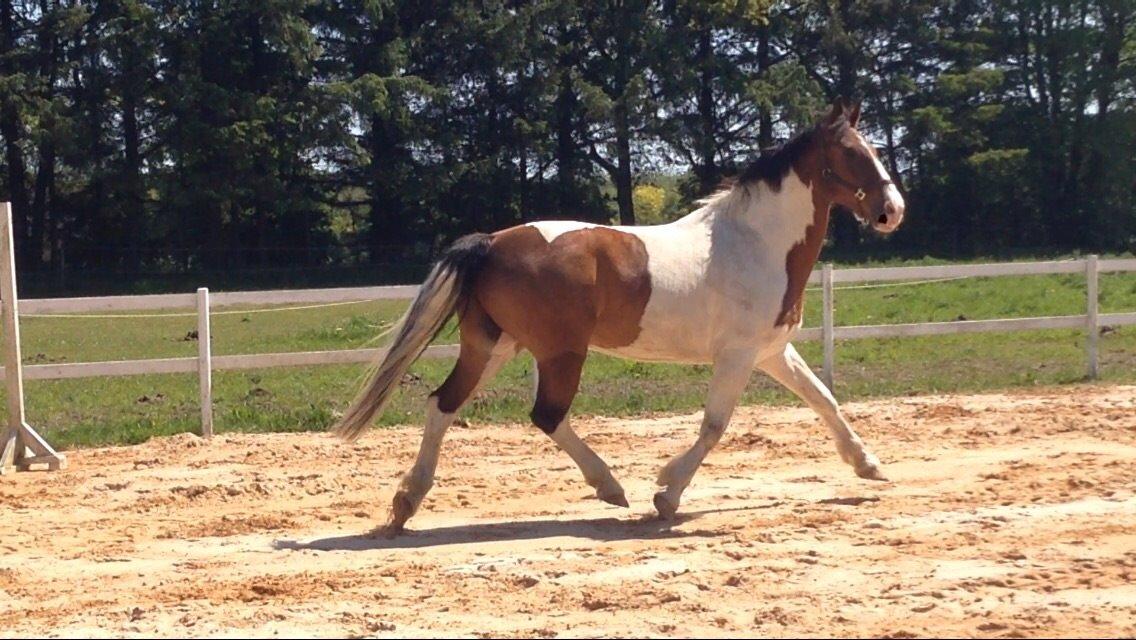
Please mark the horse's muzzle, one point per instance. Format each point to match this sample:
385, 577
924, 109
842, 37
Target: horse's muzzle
889, 218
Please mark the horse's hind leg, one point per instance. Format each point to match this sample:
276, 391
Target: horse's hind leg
484, 350
790, 370
558, 378
732, 369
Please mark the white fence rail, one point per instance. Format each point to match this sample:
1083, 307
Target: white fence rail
204, 301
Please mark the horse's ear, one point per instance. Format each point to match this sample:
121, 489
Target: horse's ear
838, 111
854, 115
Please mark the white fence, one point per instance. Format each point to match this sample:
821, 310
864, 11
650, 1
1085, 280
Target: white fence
205, 363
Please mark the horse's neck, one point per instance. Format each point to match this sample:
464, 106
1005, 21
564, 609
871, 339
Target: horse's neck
781, 218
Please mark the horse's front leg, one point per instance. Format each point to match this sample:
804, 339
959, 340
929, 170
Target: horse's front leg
731, 372
790, 370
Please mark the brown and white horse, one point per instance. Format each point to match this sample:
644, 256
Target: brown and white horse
723, 285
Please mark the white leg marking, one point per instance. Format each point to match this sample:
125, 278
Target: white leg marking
731, 372
417, 482
420, 478
596, 472
790, 370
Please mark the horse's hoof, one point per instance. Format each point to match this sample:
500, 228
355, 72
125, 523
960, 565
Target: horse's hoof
664, 507
617, 499
401, 510
870, 471
389, 530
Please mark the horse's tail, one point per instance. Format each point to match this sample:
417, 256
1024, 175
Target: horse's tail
445, 291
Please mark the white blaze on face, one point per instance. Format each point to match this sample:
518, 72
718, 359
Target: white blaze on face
891, 193
893, 202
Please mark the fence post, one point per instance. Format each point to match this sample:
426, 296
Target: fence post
204, 362
1092, 302
827, 325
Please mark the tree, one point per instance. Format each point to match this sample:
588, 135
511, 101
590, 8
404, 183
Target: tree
621, 36
241, 115
727, 82
298, 136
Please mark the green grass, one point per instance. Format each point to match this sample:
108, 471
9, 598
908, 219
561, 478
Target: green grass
94, 411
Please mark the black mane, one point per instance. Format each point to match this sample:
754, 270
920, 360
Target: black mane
773, 164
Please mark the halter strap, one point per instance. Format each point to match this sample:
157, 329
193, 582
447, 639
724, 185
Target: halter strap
860, 193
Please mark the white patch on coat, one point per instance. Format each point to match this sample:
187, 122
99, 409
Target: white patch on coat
553, 229
718, 275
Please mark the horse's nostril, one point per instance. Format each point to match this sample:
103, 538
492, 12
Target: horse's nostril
883, 219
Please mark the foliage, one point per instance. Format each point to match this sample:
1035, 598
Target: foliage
280, 140
649, 200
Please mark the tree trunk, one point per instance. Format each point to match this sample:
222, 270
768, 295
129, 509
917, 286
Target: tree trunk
845, 230
11, 128
44, 187
1082, 90
765, 116
565, 145
45, 172
623, 184
707, 170
133, 196
1114, 22
385, 208
567, 151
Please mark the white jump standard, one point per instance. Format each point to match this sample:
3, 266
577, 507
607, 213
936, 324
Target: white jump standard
23, 447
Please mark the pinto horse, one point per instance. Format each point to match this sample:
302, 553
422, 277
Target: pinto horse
723, 285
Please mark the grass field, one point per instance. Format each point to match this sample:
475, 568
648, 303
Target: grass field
97, 411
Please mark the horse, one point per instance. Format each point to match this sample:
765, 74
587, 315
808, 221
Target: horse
722, 286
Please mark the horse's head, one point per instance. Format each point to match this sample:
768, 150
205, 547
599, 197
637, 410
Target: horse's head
852, 174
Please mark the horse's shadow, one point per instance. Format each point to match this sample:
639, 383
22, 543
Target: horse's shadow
600, 529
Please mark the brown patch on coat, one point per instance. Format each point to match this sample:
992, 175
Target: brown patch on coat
834, 144
802, 257
798, 266
587, 287
479, 334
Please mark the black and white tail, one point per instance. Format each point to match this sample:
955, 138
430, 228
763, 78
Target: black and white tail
444, 292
